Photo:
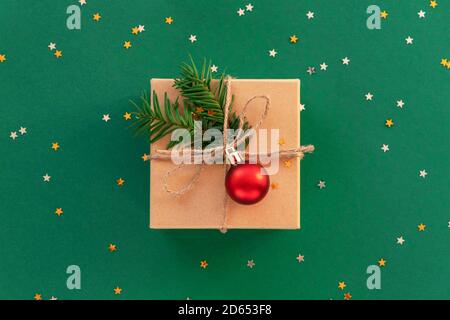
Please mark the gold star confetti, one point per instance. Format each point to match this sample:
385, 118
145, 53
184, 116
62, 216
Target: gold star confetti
444, 62
203, 264
210, 113
59, 211
127, 116
347, 296
421, 227
127, 44
55, 146
58, 54
293, 39
384, 14
37, 296
275, 185
433, 4
341, 285
120, 182
135, 30
448, 64
389, 123
281, 142
169, 20
2, 57
112, 247
199, 110
96, 17
145, 157
287, 163
117, 290
382, 262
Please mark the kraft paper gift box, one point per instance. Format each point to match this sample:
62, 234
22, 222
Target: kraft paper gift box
202, 206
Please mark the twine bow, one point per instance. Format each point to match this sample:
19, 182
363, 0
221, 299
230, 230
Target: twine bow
284, 153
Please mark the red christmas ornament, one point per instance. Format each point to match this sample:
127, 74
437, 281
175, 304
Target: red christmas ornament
246, 184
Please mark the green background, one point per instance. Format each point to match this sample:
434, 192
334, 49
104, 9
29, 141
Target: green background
370, 199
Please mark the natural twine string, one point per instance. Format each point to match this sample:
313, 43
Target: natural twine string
286, 153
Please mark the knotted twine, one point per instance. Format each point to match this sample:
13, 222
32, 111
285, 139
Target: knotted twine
284, 153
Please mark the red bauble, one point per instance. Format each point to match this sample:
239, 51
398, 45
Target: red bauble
247, 183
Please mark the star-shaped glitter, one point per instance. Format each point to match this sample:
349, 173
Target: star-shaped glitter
53, 298
203, 264
321, 184
287, 163
302, 107
52, 46
400, 104
341, 285
241, 12
22, 130
141, 28
400, 240
444, 62
120, 182
389, 123
385, 147
433, 4
127, 116
96, 17
135, 30
145, 157
117, 290
346, 61
310, 15
250, 264
347, 296
281, 141
369, 96
300, 258
106, 117
272, 53
421, 227
55, 146
58, 54
409, 40
2, 57
46, 178
59, 211
293, 39
323, 66
127, 44
421, 14
275, 185
382, 262
311, 70
112, 247
214, 68
169, 20
13, 135
37, 296
82, 2
249, 7
192, 38
423, 173
384, 14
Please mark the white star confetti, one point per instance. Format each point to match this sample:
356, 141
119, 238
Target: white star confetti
241, 12
400, 240
323, 66
310, 15
141, 28
423, 173
400, 104
13, 135
192, 38
52, 46
311, 70
409, 40
300, 258
385, 147
346, 61
46, 178
106, 117
421, 14
249, 7
82, 2
369, 96
250, 264
214, 68
53, 298
22, 130
321, 184
272, 53
302, 107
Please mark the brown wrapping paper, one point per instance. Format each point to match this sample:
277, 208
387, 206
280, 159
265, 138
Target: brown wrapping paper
202, 207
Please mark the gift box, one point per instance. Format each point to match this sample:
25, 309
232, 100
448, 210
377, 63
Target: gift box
203, 206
